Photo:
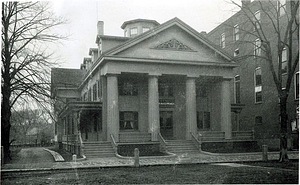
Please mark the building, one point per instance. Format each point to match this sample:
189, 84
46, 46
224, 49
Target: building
253, 82
159, 84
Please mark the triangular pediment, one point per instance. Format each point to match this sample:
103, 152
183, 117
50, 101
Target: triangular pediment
173, 40
173, 44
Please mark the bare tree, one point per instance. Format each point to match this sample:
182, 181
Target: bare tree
26, 38
276, 37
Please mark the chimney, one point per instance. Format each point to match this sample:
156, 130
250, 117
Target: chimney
245, 3
100, 28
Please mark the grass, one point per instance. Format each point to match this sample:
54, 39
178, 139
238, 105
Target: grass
171, 174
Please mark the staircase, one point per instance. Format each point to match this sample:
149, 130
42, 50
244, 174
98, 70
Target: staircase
96, 149
181, 146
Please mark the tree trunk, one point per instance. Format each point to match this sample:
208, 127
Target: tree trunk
283, 157
5, 128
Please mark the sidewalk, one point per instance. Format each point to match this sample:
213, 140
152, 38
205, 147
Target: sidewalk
200, 158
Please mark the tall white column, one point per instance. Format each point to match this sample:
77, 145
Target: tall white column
226, 125
153, 107
191, 114
112, 106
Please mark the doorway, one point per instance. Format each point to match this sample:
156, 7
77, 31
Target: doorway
166, 124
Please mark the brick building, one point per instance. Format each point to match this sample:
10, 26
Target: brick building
253, 83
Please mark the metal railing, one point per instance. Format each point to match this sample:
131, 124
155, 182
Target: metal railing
114, 144
163, 143
81, 143
196, 142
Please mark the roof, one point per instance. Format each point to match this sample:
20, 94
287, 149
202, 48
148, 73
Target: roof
62, 77
139, 20
174, 21
91, 50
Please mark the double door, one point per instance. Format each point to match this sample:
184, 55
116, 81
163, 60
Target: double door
166, 124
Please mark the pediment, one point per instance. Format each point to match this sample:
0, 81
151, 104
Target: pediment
173, 44
173, 40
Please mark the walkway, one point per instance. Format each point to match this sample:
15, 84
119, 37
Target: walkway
45, 164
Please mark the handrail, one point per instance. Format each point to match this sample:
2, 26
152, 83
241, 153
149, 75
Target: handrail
114, 144
81, 144
162, 142
196, 141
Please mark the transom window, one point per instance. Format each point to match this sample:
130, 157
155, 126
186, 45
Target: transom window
128, 120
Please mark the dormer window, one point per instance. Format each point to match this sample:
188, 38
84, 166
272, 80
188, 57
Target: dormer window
145, 29
133, 31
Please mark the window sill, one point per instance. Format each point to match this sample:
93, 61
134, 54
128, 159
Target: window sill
257, 103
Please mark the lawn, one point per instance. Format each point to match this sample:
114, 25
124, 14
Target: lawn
258, 173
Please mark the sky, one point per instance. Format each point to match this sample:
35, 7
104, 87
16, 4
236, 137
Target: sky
82, 16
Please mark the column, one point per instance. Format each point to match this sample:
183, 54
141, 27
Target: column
153, 107
226, 125
112, 107
191, 114
104, 108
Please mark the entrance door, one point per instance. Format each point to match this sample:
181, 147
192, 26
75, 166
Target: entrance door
166, 124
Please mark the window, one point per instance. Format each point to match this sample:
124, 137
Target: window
222, 42
236, 35
281, 7
125, 33
284, 61
236, 52
203, 120
297, 85
95, 92
99, 88
257, 19
128, 120
165, 90
201, 91
258, 120
128, 89
85, 97
257, 48
258, 85
89, 95
145, 29
237, 94
133, 31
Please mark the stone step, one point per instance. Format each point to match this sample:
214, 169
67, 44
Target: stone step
181, 146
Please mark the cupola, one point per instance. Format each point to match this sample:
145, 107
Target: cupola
136, 27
